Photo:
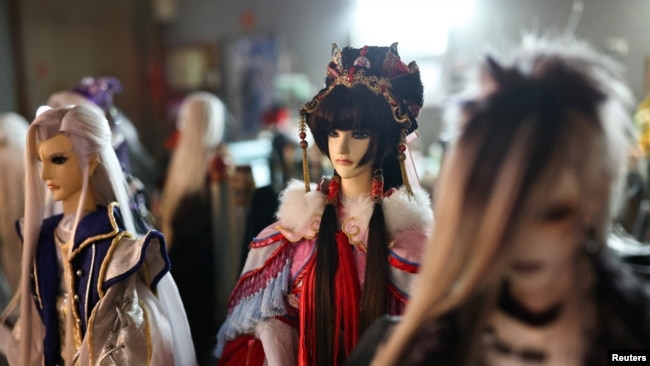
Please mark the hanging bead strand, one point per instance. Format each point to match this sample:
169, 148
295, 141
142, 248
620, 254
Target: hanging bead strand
302, 128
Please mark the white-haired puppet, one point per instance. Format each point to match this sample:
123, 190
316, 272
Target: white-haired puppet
136, 162
198, 218
518, 270
346, 251
13, 129
90, 292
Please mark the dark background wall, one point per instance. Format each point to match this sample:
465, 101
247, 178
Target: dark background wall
60, 42
7, 81
307, 28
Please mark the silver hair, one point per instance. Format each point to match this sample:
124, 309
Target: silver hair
13, 129
201, 123
90, 134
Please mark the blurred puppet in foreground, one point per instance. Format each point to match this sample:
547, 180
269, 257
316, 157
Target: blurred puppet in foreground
518, 269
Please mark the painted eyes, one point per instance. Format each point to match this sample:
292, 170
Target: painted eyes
360, 135
558, 213
59, 160
357, 134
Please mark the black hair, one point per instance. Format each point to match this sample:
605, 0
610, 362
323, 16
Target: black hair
358, 108
355, 108
547, 100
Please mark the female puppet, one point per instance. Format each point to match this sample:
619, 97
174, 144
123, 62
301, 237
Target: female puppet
90, 292
13, 129
345, 251
518, 272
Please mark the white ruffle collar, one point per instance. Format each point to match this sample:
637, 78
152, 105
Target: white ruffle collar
300, 213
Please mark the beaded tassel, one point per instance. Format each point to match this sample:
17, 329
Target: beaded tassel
377, 186
402, 157
302, 128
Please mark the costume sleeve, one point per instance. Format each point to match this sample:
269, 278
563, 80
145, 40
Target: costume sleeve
260, 293
118, 329
279, 340
140, 319
404, 259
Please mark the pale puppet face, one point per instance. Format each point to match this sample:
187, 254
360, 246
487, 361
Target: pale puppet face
549, 234
60, 169
346, 149
553, 228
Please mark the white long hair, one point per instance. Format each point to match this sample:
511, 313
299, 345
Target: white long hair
66, 98
13, 129
90, 134
201, 123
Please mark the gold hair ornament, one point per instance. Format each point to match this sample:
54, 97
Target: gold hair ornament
378, 85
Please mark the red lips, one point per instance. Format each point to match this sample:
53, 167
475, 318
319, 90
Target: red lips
343, 161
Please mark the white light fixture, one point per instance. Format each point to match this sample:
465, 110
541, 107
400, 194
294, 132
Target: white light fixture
420, 27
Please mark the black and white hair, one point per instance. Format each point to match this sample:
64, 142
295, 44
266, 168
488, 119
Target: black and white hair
558, 104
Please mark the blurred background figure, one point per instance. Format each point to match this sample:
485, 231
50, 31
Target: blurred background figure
13, 131
282, 158
635, 216
285, 153
518, 270
137, 163
197, 219
630, 233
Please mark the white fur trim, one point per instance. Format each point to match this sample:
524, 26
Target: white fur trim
404, 212
300, 212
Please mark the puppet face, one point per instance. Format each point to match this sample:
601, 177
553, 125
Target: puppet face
568, 200
346, 149
553, 229
60, 168
548, 237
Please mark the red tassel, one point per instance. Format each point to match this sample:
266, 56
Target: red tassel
307, 316
347, 294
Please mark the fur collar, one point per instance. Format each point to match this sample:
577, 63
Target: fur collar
300, 212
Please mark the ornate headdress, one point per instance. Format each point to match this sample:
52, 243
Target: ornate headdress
100, 90
382, 71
